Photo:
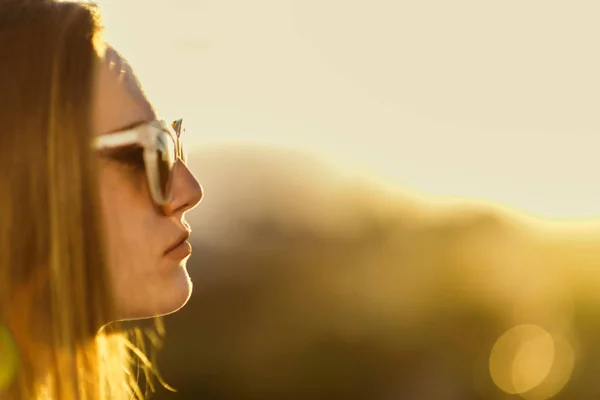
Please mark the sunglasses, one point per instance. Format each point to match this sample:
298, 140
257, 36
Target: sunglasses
160, 147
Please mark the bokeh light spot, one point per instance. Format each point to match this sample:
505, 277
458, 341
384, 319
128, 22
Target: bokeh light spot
528, 361
8, 358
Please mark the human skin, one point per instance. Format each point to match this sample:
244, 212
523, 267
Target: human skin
145, 281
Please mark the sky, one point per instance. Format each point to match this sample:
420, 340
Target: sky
494, 100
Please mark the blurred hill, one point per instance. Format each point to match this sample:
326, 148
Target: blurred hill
311, 282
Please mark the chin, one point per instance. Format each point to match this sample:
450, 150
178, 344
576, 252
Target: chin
174, 293
177, 302
176, 296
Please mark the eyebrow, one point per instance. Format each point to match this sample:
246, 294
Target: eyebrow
132, 125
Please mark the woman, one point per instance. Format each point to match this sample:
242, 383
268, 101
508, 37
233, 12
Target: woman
93, 196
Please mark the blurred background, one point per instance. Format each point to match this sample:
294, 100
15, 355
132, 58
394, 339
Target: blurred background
332, 258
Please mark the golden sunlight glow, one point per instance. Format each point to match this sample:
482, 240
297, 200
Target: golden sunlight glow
404, 97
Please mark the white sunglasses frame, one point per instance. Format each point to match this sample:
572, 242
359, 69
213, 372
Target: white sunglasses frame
146, 135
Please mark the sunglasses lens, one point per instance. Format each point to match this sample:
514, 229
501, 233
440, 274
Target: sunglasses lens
166, 160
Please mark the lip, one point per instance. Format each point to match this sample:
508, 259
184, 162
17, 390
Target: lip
180, 246
180, 252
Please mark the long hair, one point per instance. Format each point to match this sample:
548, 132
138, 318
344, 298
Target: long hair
55, 293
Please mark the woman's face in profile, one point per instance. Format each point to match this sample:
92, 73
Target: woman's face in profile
147, 280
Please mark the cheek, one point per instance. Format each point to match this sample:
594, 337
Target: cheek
127, 212
122, 190
136, 240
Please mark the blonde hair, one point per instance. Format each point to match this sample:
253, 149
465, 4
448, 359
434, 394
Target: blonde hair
55, 293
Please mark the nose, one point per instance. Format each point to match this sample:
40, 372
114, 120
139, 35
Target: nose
187, 191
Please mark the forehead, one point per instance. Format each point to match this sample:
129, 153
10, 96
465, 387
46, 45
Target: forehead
119, 99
